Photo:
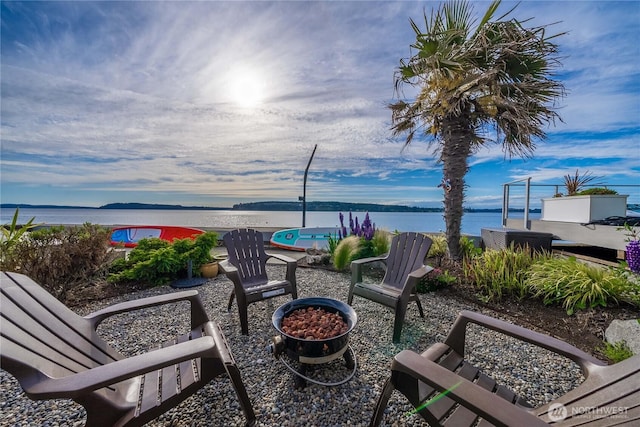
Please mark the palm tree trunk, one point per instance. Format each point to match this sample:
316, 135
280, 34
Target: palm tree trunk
455, 152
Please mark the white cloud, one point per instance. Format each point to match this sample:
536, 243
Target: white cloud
138, 96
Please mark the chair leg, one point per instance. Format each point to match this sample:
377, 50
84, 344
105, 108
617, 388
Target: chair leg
419, 306
244, 317
233, 294
241, 391
381, 405
401, 311
350, 297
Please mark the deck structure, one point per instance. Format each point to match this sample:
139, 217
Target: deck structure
604, 236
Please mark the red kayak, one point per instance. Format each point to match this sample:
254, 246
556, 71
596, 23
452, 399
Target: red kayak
131, 235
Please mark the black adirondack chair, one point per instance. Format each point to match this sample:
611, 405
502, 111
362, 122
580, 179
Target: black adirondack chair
246, 267
447, 390
405, 267
54, 353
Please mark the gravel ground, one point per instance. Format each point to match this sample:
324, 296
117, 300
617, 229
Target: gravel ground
534, 373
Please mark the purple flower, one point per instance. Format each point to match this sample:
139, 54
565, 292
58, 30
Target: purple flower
366, 230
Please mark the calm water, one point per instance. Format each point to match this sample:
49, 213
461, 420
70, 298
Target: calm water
401, 221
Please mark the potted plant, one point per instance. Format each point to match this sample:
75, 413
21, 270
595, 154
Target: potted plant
157, 262
574, 183
209, 270
583, 205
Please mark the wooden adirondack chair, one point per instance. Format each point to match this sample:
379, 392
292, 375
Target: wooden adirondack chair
446, 390
54, 353
405, 267
246, 265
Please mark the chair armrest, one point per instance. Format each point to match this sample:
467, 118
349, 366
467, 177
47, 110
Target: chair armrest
420, 272
198, 314
456, 338
488, 405
224, 351
292, 264
413, 278
356, 267
227, 267
101, 376
358, 262
282, 258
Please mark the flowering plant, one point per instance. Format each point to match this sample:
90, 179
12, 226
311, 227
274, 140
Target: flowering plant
366, 230
358, 241
633, 247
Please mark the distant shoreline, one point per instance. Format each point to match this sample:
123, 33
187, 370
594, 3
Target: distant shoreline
264, 206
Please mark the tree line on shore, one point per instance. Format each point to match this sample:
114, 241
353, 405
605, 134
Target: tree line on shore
265, 206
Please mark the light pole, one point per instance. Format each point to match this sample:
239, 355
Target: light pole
304, 188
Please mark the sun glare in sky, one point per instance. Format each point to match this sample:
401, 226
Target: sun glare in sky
247, 88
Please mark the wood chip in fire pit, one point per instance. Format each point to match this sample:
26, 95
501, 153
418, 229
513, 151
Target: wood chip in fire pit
314, 324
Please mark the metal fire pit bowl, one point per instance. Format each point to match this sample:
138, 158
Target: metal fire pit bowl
314, 352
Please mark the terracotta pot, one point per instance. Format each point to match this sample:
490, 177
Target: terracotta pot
209, 270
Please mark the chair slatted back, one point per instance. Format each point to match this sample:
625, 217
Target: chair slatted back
39, 334
245, 251
406, 254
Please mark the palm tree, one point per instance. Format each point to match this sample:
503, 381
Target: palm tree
490, 85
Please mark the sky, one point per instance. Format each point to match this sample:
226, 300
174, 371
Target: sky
213, 103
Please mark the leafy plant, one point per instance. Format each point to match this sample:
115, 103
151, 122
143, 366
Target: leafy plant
616, 352
157, 262
11, 235
438, 249
576, 285
574, 183
436, 279
468, 248
497, 273
332, 241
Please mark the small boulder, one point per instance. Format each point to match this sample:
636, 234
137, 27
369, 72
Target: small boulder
318, 257
625, 330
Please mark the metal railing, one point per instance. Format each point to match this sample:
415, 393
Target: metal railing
528, 187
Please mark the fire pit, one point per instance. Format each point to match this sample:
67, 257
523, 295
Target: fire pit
314, 331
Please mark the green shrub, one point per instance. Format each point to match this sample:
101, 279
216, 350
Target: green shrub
158, 262
468, 248
616, 352
435, 280
61, 258
498, 273
378, 245
438, 249
576, 285
596, 191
